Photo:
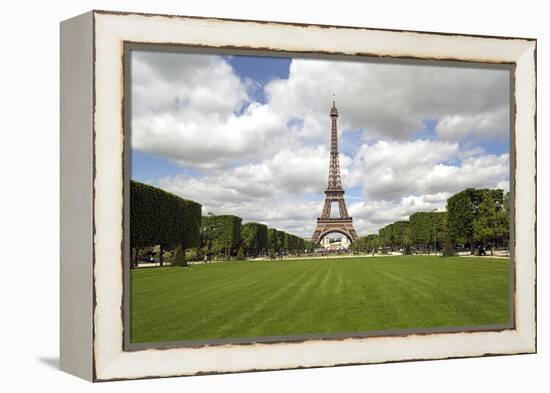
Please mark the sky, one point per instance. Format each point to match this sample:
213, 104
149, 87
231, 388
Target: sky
250, 135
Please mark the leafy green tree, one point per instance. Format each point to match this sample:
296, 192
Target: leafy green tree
359, 245
372, 242
428, 229
188, 224
302, 244
262, 238
504, 221
491, 223
254, 238
273, 240
440, 222
460, 217
309, 245
386, 236
282, 240
223, 233
249, 237
402, 235
471, 216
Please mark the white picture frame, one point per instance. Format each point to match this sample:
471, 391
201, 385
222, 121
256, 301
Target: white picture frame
92, 194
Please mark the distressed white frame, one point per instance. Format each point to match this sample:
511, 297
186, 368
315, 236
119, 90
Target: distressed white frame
110, 30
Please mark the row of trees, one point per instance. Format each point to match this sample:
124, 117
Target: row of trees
228, 236
474, 217
370, 243
163, 220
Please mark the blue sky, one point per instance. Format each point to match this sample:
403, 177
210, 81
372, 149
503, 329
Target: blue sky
261, 69
252, 138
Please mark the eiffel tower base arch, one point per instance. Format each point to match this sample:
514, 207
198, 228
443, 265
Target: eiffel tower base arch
330, 225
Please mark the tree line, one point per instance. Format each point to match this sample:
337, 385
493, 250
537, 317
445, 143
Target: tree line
474, 218
164, 220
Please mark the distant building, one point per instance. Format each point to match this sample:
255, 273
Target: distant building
339, 243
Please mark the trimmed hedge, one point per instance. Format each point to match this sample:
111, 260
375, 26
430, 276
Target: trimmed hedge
254, 238
160, 218
282, 240
273, 239
223, 231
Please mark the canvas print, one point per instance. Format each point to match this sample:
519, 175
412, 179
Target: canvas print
285, 198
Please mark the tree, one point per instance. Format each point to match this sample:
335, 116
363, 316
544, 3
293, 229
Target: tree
372, 243
386, 236
187, 224
470, 216
460, 217
282, 240
402, 235
504, 221
301, 244
222, 234
273, 240
359, 245
254, 238
428, 229
421, 229
440, 228
240, 254
262, 238
179, 257
448, 250
249, 238
292, 242
309, 245
491, 222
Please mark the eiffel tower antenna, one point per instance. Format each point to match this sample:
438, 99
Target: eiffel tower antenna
334, 192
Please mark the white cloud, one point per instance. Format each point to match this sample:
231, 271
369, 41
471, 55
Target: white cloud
391, 170
394, 100
208, 142
487, 124
482, 171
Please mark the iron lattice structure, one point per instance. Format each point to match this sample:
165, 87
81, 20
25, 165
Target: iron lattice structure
334, 193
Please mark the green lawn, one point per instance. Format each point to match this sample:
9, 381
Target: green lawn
250, 299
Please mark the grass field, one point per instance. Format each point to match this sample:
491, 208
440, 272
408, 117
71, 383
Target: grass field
250, 299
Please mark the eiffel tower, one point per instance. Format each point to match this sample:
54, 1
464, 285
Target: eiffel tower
334, 194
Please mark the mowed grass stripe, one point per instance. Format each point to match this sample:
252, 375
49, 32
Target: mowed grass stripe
229, 323
251, 299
